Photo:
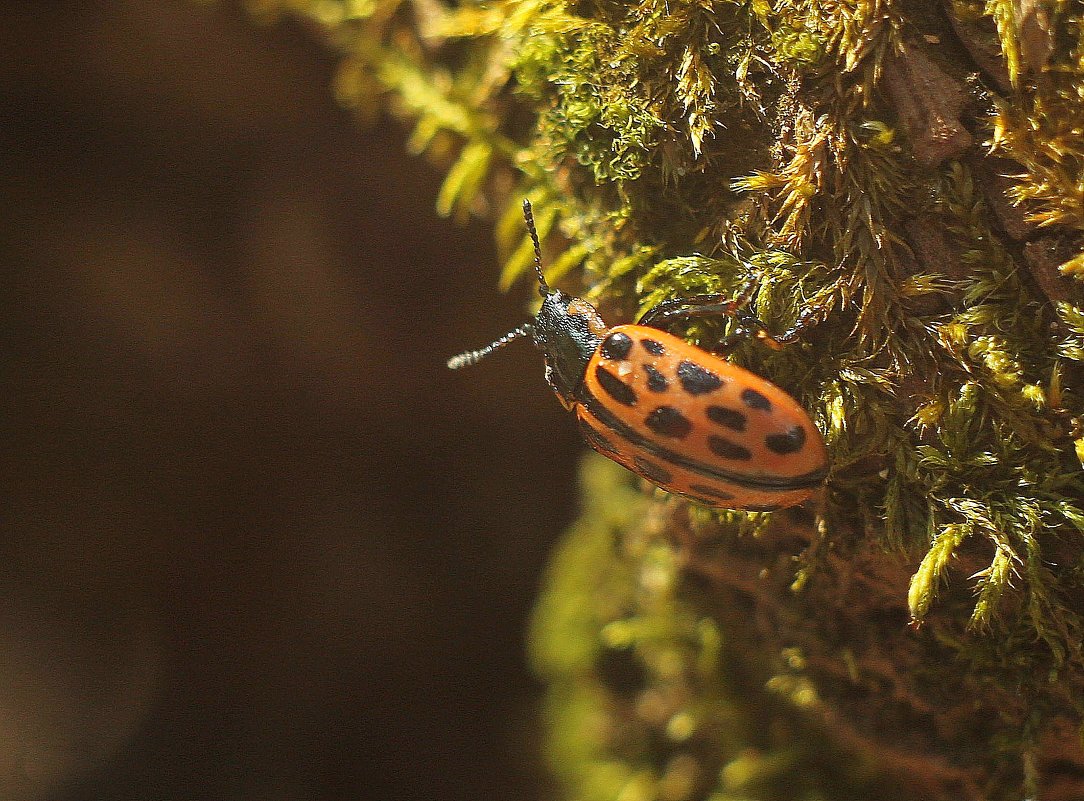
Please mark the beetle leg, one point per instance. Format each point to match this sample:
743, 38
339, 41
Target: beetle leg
666, 313
808, 317
709, 305
713, 305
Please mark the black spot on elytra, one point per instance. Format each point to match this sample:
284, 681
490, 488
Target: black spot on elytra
705, 491
656, 381
596, 440
754, 400
731, 418
652, 346
669, 422
615, 387
791, 441
697, 380
652, 472
728, 450
765, 507
617, 346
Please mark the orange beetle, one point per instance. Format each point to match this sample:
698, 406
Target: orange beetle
682, 418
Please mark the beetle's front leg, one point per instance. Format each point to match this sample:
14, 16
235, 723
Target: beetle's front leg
749, 325
712, 305
708, 305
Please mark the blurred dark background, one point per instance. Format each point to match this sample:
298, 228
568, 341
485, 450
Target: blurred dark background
258, 543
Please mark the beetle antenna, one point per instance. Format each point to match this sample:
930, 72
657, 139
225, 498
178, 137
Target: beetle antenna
528, 215
475, 356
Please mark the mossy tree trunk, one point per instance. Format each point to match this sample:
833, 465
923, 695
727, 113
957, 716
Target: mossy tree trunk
907, 174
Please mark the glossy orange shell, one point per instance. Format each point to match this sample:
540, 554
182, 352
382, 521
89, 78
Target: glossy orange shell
694, 424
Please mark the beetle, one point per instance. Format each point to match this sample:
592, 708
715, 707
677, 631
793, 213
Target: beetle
685, 419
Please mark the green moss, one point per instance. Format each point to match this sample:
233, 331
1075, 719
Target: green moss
647, 698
